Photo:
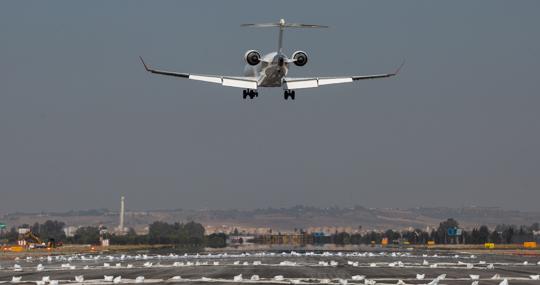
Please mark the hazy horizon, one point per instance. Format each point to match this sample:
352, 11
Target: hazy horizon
82, 123
128, 209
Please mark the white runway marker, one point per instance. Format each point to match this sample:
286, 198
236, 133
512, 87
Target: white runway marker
238, 278
369, 282
279, 278
441, 277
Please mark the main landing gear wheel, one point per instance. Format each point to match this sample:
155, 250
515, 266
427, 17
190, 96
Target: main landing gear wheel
251, 93
289, 94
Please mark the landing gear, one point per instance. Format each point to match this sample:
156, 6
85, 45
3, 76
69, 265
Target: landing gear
289, 94
251, 93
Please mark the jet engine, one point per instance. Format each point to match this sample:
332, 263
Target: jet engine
252, 57
300, 58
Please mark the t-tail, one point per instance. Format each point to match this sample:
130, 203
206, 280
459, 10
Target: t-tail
282, 25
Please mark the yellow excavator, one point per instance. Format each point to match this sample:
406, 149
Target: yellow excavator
31, 240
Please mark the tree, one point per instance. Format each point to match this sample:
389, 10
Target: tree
51, 230
508, 234
164, 233
342, 238
10, 236
160, 233
442, 231
194, 232
483, 234
216, 240
86, 235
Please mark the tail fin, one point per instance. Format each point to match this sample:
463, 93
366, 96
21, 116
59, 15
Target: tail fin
282, 25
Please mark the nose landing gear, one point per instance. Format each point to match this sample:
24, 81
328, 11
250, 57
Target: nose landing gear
249, 93
289, 94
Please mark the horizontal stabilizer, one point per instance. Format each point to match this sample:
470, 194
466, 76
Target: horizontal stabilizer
282, 24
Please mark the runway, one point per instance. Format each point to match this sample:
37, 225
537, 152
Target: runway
368, 267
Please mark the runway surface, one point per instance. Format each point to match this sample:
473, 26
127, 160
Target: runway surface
290, 267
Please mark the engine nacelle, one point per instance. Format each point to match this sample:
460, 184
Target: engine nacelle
252, 57
300, 58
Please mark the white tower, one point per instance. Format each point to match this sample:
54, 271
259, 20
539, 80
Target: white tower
122, 213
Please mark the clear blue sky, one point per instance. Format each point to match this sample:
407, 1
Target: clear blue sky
81, 123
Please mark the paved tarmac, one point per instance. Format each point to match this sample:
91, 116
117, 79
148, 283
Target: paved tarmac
382, 267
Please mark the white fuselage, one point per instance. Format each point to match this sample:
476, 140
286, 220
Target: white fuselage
270, 71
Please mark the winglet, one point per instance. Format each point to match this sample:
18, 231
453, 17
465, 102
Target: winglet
399, 68
145, 66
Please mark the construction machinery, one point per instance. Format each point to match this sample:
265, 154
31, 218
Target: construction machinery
29, 239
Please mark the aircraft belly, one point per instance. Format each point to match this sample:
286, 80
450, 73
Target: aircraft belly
272, 76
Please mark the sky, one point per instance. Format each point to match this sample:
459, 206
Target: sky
82, 123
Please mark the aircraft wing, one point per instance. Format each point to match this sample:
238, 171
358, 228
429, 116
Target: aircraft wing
232, 81
312, 82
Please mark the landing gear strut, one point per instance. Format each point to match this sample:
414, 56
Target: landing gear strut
251, 93
289, 94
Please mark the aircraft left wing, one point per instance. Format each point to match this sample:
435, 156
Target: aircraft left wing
232, 81
312, 82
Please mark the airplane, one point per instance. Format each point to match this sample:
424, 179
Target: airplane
271, 69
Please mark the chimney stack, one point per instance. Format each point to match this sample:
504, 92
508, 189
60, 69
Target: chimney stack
122, 213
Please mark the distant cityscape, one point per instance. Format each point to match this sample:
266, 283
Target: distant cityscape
311, 219
329, 220
295, 225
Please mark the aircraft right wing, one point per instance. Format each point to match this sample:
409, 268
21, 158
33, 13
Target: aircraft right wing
312, 82
232, 81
